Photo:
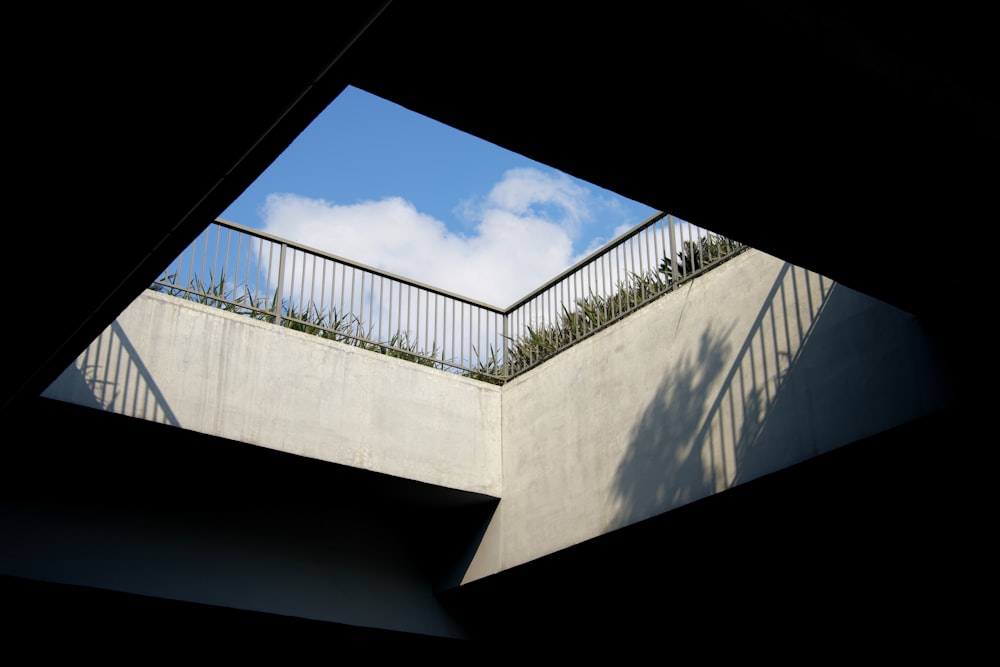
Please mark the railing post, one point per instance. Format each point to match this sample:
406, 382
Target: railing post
535, 320
504, 367
280, 289
672, 279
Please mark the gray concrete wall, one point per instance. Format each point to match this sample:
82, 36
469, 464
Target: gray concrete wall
746, 370
196, 367
753, 367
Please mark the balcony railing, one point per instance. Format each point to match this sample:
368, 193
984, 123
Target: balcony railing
250, 273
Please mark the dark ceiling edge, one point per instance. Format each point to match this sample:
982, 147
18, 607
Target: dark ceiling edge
828, 528
298, 113
101, 622
64, 470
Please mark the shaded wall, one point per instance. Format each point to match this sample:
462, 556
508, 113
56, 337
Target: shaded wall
753, 367
102, 501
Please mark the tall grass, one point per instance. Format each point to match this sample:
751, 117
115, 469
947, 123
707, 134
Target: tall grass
330, 324
596, 312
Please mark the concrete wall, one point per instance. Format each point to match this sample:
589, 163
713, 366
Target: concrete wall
750, 368
198, 368
753, 367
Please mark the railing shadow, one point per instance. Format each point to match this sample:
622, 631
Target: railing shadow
111, 376
687, 445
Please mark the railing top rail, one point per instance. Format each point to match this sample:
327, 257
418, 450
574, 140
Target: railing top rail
600, 252
608, 247
525, 334
356, 265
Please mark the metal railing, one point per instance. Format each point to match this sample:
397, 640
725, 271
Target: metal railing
653, 258
250, 273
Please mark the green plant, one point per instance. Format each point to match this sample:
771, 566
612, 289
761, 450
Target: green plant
696, 255
310, 319
490, 370
400, 346
539, 343
519, 353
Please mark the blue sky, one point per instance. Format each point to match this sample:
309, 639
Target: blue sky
375, 183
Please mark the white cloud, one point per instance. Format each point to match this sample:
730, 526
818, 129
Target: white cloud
530, 193
522, 236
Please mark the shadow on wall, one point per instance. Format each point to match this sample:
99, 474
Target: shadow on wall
663, 466
701, 432
109, 375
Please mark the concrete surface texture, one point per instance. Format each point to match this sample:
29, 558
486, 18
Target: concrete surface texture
748, 369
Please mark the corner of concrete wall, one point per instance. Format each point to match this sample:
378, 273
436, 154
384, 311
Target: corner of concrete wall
750, 368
